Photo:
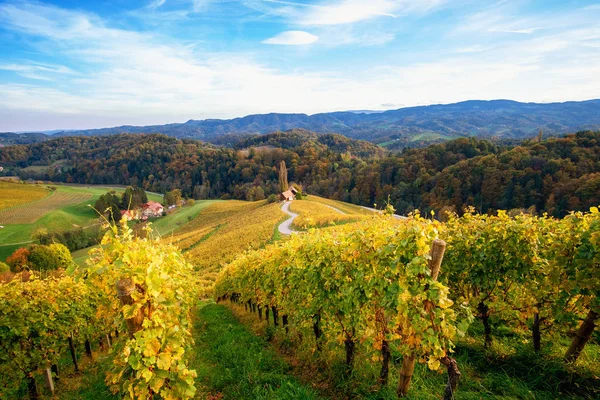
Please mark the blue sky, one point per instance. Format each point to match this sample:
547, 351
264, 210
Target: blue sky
80, 64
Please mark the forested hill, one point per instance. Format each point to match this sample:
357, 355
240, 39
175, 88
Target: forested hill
409, 126
301, 138
553, 175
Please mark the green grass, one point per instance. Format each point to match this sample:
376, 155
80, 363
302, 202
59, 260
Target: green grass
167, 225
233, 362
428, 136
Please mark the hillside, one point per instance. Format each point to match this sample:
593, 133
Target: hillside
401, 127
554, 175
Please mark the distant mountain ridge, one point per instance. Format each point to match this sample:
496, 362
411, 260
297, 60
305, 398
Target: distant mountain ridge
505, 119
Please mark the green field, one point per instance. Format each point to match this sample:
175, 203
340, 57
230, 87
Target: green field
56, 217
167, 225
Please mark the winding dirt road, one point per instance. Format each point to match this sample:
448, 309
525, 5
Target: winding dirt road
285, 227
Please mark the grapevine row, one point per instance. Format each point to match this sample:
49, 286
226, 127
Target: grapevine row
370, 282
135, 285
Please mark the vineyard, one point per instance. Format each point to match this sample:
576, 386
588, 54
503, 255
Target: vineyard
31, 212
223, 230
16, 194
131, 297
315, 212
372, 289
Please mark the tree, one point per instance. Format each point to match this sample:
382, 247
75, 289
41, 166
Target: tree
259, 193
173, 197
42, 258
108, 205
283, 176
133, 198
19, 260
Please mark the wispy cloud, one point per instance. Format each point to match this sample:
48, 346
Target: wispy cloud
349, 11
45, 72
340, 12
292, 38
524, 31
156, 3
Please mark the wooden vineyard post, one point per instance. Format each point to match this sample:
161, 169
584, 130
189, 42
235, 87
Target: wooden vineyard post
49, 381
582, 336
125, 287
73, 353
438, 247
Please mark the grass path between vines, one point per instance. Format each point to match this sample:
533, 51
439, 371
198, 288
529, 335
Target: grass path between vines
233, 363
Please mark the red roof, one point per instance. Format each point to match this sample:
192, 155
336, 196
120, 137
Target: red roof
154, 206
287, 194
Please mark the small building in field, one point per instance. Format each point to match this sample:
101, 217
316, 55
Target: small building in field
288, 195
152, 209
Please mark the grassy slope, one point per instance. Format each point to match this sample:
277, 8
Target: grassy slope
167, 225
60, 219
231, 361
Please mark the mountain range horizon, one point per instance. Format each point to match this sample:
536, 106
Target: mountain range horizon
393, 129
357, 111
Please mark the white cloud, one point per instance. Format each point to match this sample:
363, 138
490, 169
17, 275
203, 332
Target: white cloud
44, 72
156, 3
525, 31
292, 38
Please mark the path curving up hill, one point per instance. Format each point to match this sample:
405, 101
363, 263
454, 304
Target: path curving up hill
285, 227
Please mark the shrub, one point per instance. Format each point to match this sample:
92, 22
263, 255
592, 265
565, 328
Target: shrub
19, 260
272, 198
62, 254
